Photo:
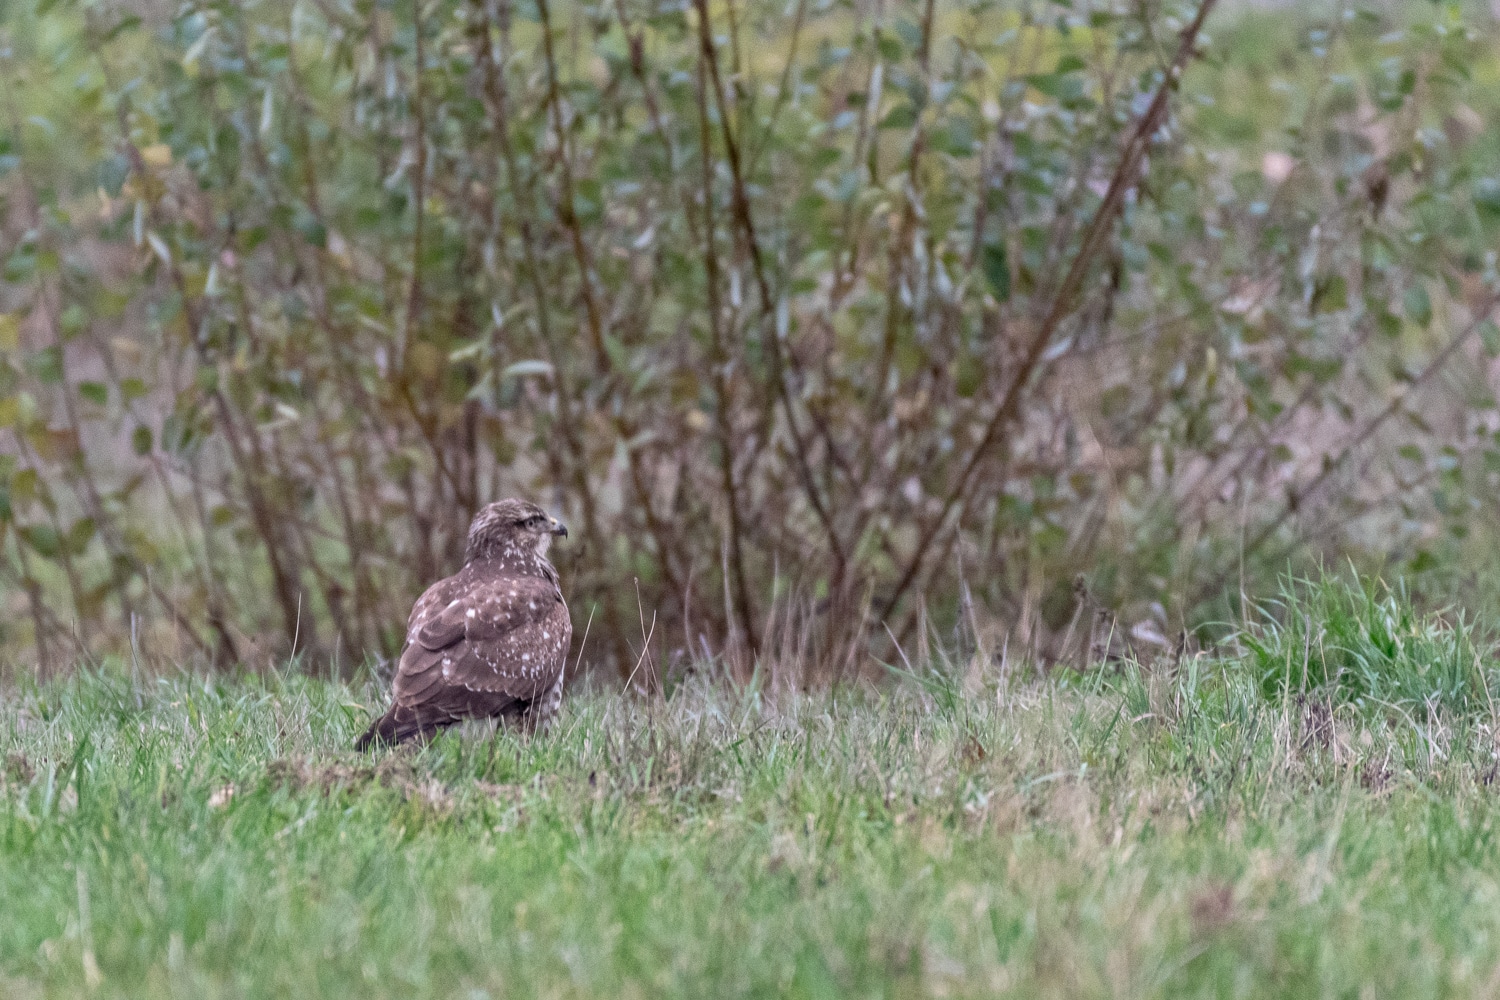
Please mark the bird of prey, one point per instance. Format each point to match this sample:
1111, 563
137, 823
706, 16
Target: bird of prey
489, 641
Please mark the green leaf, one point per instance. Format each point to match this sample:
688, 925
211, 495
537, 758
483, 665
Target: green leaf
956, 138
177, 434
43, 539
1322, 370
46, 365
968, 374
81, 534
94, 392
805, 210
75, 319
901, 116
1330, 294
1047, 83
1489, 335
996, 264
1418, 305
1422, 562
1487, 197
140, 440
310, 226
1387, 323
21, 264
889, 47
910, 32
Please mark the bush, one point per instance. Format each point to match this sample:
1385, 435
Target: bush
798, 313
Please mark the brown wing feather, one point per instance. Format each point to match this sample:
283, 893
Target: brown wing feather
478, 646
470, 640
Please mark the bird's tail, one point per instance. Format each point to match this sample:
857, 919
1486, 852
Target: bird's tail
398, 725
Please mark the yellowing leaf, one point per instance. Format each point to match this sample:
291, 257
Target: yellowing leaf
10, 331
126, 348
157, 155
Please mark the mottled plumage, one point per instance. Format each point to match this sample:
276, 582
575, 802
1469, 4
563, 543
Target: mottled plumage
488, 642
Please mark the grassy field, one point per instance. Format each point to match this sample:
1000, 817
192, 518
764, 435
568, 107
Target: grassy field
1184, 830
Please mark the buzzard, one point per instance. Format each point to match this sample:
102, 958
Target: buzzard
488, 642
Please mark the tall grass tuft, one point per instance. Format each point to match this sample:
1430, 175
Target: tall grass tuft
1365, 642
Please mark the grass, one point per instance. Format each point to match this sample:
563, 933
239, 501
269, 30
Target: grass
1366, 642
1130, 832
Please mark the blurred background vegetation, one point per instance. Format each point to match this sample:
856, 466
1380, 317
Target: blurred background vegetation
822, 323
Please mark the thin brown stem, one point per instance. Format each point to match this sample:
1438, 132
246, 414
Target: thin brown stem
1125, 176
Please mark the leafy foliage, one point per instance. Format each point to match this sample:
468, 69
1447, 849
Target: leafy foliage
800, 313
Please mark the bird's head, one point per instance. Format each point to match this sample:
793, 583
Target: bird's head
511, 529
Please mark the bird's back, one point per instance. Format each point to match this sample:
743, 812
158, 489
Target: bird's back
492, 640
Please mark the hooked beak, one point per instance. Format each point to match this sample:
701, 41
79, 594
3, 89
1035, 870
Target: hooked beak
559, 529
